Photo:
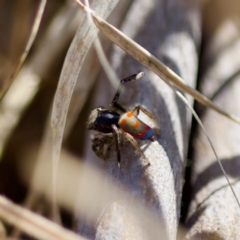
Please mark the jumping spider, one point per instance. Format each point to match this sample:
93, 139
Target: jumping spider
118, 119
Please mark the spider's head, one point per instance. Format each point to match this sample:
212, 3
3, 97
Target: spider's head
101, 120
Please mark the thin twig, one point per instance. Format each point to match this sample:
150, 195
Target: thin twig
31, 39
212, 193
102, 57
180, 95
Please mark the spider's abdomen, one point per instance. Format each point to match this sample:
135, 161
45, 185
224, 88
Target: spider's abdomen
135, 127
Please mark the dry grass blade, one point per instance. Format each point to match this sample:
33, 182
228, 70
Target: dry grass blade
31, 39
72, 66
33, 224
82, 88
148, 60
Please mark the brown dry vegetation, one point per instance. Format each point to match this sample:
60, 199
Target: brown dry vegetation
200, 42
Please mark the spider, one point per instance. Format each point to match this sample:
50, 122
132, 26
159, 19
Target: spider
117, 119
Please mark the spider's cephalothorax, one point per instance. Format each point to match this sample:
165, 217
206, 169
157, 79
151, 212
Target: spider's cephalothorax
111, 121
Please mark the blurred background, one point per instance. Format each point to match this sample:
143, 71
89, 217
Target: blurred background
26, 108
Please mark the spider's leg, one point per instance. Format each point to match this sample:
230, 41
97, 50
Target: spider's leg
117, 141
135, 144
117, 95
150, 115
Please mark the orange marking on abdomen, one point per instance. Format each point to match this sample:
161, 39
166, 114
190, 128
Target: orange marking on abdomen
136, 125
129, 114
122, 124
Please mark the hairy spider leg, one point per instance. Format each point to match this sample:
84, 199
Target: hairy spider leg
117, 95
135, 144
117, 141
135, 112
